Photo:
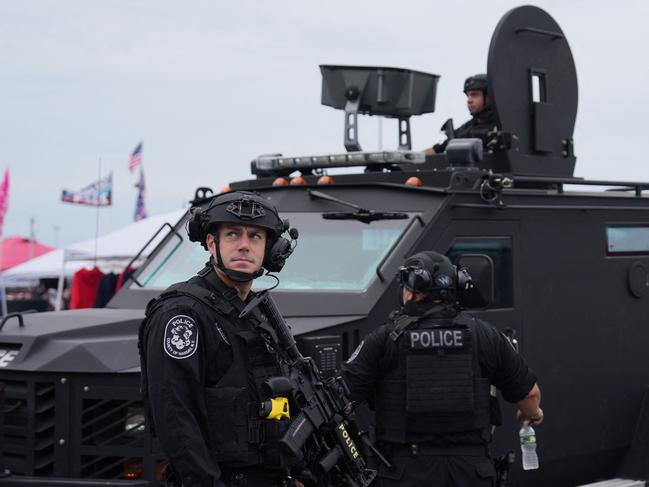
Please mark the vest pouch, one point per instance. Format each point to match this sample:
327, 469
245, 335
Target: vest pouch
439, 370
439, 383
227, 411
453, 421
273, 456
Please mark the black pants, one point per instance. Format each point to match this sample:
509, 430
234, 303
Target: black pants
253, 477
438, 471
250, 477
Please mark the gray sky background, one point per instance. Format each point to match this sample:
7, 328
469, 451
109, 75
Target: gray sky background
209, 85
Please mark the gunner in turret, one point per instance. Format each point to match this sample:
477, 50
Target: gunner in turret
483, 118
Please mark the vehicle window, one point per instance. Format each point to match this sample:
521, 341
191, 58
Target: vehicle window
330, 255
627, 240
499, 249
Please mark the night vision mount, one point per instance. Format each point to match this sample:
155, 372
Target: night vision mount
387, 92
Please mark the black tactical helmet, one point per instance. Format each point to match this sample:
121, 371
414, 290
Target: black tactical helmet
433, 274
245, 208
476, 82
428, 271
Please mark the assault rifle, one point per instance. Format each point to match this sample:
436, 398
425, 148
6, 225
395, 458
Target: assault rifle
323, 432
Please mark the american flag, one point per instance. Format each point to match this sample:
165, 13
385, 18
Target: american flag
99, 193
136, 158
140, 210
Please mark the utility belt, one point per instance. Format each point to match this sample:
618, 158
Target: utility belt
429, 449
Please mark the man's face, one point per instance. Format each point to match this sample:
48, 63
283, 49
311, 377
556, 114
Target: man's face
475, 101
242, 246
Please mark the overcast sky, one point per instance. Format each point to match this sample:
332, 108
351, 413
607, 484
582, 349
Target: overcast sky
209, 85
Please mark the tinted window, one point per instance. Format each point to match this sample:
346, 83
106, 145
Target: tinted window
627, 240
330, 255
499, 249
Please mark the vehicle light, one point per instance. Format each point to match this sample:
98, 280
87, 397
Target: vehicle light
298, 180
280, 182
414, 181
134, 425
133, 469
325, 180
270, 165
225, 189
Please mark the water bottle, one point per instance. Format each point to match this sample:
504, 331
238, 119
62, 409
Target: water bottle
528, 447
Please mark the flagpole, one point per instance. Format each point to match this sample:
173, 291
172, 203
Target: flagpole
97, 218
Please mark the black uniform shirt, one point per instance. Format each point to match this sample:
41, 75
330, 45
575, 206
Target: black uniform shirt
185, 352
498, 360
477, 127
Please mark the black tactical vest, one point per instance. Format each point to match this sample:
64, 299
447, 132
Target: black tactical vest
239, 436
437, 386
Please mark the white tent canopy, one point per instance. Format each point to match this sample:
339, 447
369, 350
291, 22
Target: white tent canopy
114, 251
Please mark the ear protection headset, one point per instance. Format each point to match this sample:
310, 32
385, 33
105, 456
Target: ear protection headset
433, 274
280, 250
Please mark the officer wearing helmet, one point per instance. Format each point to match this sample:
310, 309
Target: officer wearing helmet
428, 373
203, 366
483, 119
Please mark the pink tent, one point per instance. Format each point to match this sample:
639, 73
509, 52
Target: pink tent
16, 250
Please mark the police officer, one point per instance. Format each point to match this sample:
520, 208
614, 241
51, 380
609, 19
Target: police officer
428, 373
202, 366
483, 119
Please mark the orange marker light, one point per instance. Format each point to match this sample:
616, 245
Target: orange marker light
133, 469
225, 189
414, 181
298, 180
325, 180
280, 182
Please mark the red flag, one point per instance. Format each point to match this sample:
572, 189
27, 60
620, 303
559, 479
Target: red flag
4, 198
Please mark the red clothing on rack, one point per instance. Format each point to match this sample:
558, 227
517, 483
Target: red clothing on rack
85, 283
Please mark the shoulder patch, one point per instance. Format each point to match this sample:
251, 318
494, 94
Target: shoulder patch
181, 337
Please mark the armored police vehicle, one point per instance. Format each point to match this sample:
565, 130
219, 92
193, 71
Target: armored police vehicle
566, 271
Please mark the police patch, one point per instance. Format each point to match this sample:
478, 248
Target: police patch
181, 337
436, 338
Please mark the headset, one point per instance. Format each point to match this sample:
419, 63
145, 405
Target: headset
449, 283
